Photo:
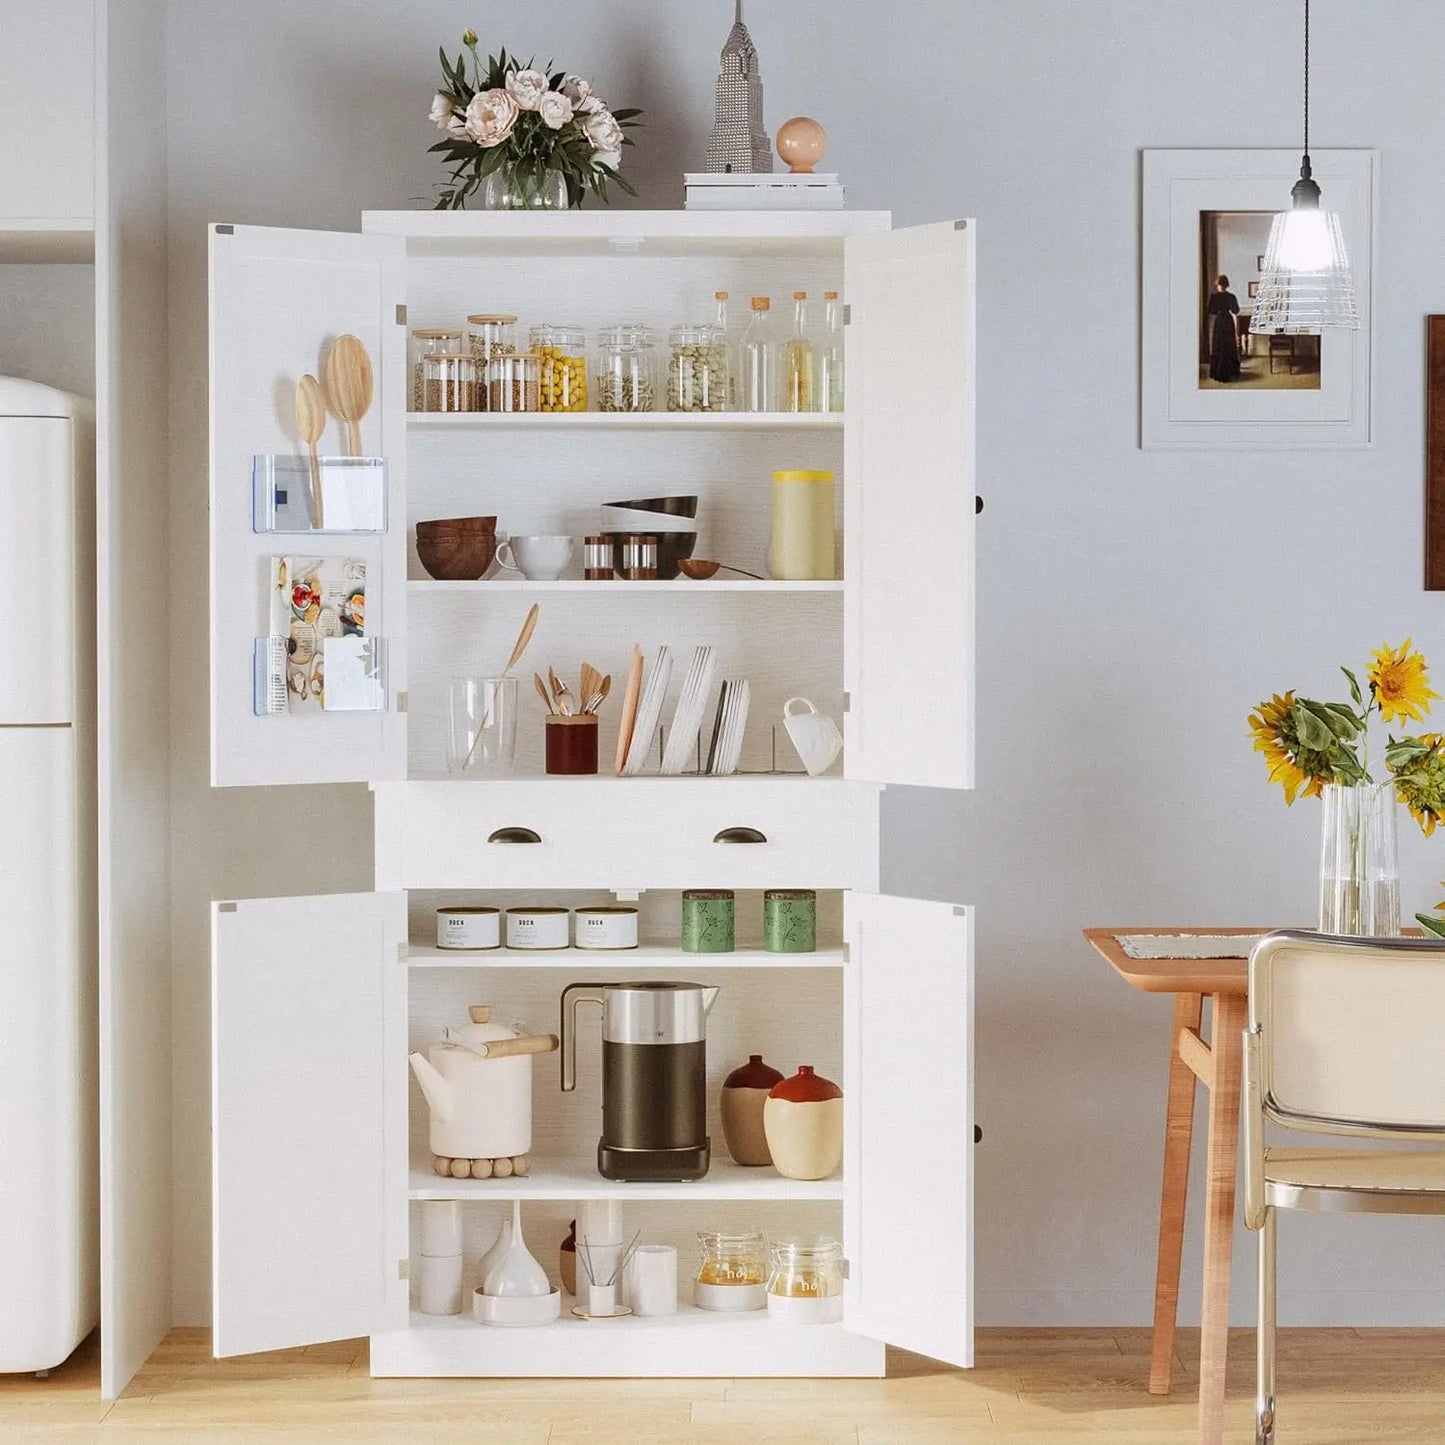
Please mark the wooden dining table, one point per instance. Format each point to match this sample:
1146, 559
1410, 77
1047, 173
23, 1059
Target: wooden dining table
1219, 1066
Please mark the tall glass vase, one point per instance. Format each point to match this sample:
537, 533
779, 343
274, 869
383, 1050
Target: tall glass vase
524, 188
1359, 860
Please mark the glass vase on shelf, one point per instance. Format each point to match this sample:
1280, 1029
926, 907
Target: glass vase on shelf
525, 188
1359, 860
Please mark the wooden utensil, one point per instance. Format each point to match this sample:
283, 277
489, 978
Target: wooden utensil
600, 696
630, 700
311, 424
542, 693
529, 626
349, 386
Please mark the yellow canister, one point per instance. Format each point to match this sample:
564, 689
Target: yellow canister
804, 547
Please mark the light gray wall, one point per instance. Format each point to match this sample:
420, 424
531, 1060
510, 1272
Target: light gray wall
1133, 606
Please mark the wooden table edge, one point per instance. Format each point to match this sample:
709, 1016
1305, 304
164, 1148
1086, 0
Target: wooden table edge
1175, 975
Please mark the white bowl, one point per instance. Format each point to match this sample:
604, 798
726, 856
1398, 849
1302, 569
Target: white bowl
624, 519
542, 1309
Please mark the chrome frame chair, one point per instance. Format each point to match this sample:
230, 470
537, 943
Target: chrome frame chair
1343, 1040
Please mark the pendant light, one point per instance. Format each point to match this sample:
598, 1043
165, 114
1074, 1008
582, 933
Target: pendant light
1306, 286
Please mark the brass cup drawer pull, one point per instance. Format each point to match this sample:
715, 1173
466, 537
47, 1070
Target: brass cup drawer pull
740, 835
514, 835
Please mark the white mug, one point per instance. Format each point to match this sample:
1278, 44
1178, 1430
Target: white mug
538, 559
651, 1277
816, 737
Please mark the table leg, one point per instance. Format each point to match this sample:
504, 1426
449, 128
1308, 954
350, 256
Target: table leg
1178, 1139
1227, 1046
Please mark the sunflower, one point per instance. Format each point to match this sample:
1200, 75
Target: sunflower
1298, 770
1399, 684
1418, 765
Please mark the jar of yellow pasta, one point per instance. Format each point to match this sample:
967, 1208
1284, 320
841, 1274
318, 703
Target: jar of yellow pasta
563, 350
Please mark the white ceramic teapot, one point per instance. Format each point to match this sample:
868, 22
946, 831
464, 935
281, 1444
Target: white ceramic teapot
478, 1086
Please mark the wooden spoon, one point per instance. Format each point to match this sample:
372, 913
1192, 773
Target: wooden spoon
311, 424
542, 693
349, 386
529, 626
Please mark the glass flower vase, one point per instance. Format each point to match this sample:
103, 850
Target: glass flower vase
525, 188
1359, 860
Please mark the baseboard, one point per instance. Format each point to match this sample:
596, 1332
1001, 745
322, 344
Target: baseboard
1125, 1309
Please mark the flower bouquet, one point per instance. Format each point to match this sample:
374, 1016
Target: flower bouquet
1322, 749
524, 137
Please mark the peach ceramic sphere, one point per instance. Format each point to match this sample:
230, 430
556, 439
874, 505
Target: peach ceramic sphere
801, 143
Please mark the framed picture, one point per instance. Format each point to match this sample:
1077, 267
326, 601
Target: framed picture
1435, 453
1205, 380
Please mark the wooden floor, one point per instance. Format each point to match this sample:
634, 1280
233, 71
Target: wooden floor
1047, 1385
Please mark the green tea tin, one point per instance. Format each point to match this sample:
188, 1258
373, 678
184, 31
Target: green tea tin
707, 920
790, 920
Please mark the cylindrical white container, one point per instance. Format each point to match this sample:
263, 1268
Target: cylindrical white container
651, 1277
441, 1284
606, 928
601, 1240
469, 927
441, 1226
539, 927
788, 1311
601, 1299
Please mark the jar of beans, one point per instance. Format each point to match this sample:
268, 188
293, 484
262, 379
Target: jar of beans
626, 368
563, 350
449, 381
430, 341
697, 369
490, 334
514, 383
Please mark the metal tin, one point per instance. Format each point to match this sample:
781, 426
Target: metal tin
639, 557
469, 928
539, 928
790, 920
597, 558
606, 927
707, 920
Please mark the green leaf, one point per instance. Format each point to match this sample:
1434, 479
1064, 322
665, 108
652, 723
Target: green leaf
1431, 925
1313, 731
626, 113
1354, 687
1341, 722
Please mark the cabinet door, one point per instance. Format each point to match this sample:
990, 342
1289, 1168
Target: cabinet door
308, 1116
908, 652
278, 300
908, 1135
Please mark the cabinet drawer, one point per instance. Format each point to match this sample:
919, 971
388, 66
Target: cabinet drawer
628, 833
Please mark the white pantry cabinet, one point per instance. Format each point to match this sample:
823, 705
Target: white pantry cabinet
320, 1141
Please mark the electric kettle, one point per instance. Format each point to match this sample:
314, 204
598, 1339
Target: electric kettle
654, 1077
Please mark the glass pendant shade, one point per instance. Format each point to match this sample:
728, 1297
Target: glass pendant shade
1306, 286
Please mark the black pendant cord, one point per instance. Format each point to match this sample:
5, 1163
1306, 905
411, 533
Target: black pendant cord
1307, 85
1306, 194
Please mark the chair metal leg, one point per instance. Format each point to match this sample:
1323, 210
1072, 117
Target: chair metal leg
1264, 1336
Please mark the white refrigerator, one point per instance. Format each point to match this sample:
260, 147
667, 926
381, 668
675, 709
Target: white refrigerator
49, 1211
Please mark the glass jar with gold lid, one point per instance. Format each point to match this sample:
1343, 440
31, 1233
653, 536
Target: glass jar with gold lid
805, 1282
732, 1270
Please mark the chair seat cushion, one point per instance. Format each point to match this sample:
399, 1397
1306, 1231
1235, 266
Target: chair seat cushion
1418, 1172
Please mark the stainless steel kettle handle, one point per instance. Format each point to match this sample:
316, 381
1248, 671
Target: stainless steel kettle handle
569, 1029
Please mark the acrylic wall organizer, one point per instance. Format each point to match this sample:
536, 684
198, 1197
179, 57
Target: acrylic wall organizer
351, 669
352, 499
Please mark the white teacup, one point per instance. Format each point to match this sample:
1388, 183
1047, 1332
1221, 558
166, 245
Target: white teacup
538, 559
816, 737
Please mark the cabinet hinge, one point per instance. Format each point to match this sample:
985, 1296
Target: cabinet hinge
847, 314
846, 1271
960, 225
403, 953
847, 702
225, 230
225, 908
401, 702
960, 911
403, 1269
847, 954
401, 315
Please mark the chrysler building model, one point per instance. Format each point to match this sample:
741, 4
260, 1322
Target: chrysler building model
738, 142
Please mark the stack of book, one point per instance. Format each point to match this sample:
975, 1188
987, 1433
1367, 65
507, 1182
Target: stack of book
762, 191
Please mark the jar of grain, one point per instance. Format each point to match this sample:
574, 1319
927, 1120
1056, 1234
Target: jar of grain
697, 369
430, 341
449, 381
626, 368
490, 334
563, 350
514, 383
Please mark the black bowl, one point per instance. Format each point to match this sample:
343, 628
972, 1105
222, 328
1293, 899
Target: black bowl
672, 506
673, 548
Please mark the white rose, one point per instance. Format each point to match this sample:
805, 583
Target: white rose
611, 159
490, 117
602, 132
589, 105
575, 89
527, 87
555, 109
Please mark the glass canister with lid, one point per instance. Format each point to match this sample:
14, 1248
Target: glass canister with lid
804, 545
489, 334
430, 341
563, 350
449, 381
732, 1271
514, 383
805, 1282
697, 369
626, 372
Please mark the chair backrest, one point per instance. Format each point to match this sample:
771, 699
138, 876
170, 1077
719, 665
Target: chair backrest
1350, 1033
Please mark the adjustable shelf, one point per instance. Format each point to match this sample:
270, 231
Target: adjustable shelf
646, 956
571, 1180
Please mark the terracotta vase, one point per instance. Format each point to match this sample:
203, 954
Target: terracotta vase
744, 1094
803, 1121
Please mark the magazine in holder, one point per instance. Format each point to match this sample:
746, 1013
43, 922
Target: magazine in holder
350, 494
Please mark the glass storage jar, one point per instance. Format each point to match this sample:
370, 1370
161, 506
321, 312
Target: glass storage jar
626, 375
732, 1271
449, 381
429, 341
514, 383
805, 1283
697, 369
563, 350
490, 334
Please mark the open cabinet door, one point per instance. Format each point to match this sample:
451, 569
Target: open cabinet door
908, 1142
908, 427
309, 1122
278, 300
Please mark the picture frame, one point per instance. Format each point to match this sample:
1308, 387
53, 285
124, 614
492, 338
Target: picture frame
1435, 453
1254, 290
1197, 208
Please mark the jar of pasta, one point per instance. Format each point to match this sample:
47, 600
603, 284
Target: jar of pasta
732, 1271
805, 1283
625, 375
490, 334
430, 341
563, 350
697, 369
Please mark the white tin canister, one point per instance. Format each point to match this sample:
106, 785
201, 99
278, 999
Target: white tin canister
469, 928
539, 927
606, 927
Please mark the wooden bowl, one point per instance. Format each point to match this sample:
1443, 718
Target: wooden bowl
456, 556
458, 524
698, 568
